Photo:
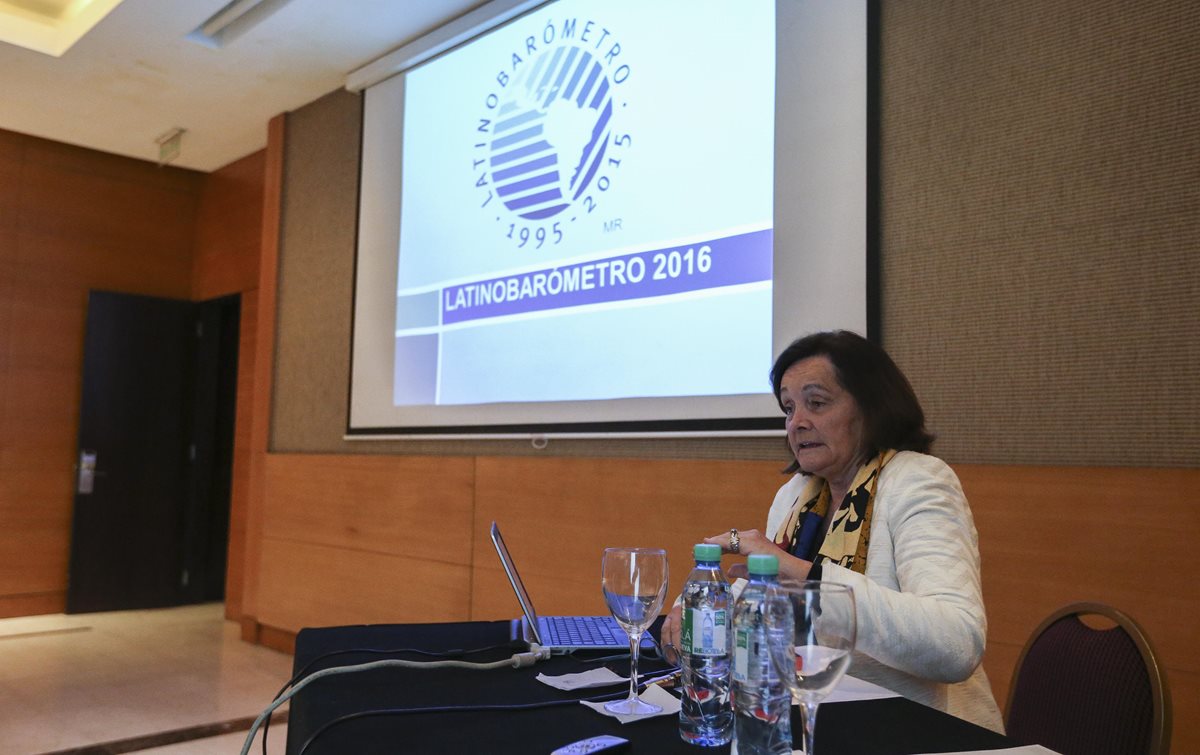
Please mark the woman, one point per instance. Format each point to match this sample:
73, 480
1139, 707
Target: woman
868, 507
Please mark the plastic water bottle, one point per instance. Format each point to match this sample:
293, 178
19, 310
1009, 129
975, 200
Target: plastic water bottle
704, 716
761, 703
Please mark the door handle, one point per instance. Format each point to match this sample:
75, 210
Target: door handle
87, 472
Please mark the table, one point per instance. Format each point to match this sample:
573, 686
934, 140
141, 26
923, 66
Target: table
370, 711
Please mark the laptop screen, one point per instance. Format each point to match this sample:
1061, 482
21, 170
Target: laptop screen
515, 579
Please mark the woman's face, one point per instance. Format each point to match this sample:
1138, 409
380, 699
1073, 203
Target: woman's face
824, 424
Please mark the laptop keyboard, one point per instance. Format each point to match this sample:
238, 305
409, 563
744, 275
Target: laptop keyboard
583, 630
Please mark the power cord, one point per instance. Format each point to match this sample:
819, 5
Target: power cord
518, 660
371, 651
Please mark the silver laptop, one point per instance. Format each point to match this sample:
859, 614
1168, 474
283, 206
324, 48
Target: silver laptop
561, 634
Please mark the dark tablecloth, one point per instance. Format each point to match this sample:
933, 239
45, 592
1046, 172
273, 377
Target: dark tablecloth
372, 711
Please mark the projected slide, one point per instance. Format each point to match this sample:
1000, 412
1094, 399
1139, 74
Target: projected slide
586, 207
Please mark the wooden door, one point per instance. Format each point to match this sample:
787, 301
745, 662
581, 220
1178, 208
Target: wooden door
152, 492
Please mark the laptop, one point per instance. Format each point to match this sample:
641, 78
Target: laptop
561, 634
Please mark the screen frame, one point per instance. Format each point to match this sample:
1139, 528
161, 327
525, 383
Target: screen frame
492, 16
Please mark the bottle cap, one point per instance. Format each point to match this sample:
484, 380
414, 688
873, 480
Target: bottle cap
763, 564
707, 552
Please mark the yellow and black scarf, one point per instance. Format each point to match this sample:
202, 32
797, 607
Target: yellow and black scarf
849, 533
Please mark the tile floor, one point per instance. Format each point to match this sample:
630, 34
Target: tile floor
72, 681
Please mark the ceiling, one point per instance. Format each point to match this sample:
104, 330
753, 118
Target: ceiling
136, 75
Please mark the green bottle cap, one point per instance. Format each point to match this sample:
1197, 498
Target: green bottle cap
763, 564
707, 552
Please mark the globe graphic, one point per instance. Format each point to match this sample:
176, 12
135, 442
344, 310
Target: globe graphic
551, 132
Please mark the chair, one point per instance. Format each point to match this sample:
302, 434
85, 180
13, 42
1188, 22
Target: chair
1080, 690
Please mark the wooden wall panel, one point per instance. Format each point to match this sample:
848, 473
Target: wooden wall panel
11, 153
33, 604
12, 492
35, 556
1048, 537
310, 585
229, 229
1185, 696
37, 448
264, 370
417, 507
1123, 536
356, 538
50, 322
240, 487
41, 411
558, 514
37, 436
70, 220
89, 220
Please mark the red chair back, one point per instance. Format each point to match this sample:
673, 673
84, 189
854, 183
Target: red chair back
1089, 691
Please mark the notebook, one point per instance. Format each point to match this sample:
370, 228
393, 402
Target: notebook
561, 634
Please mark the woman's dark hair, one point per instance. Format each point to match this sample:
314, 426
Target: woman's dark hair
892, 416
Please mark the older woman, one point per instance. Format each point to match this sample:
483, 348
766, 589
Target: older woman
868, 507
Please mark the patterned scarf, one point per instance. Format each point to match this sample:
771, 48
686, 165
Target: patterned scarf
850, 532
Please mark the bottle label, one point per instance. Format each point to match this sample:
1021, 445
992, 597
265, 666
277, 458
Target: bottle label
751, 657
741, 655
704, 632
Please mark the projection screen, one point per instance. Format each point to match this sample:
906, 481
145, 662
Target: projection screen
589, 217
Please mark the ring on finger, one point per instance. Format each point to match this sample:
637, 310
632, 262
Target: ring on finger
735, 542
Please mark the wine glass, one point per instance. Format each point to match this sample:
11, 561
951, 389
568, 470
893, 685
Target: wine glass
634, 582
815, 624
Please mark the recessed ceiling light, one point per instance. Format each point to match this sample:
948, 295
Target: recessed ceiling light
50, 26
234, 20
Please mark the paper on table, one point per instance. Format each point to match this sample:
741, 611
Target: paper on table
652, 694
850, 689
600, 677
1022, 750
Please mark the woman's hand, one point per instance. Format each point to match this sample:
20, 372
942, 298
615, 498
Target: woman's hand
744, 542
669, 637
749, 542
